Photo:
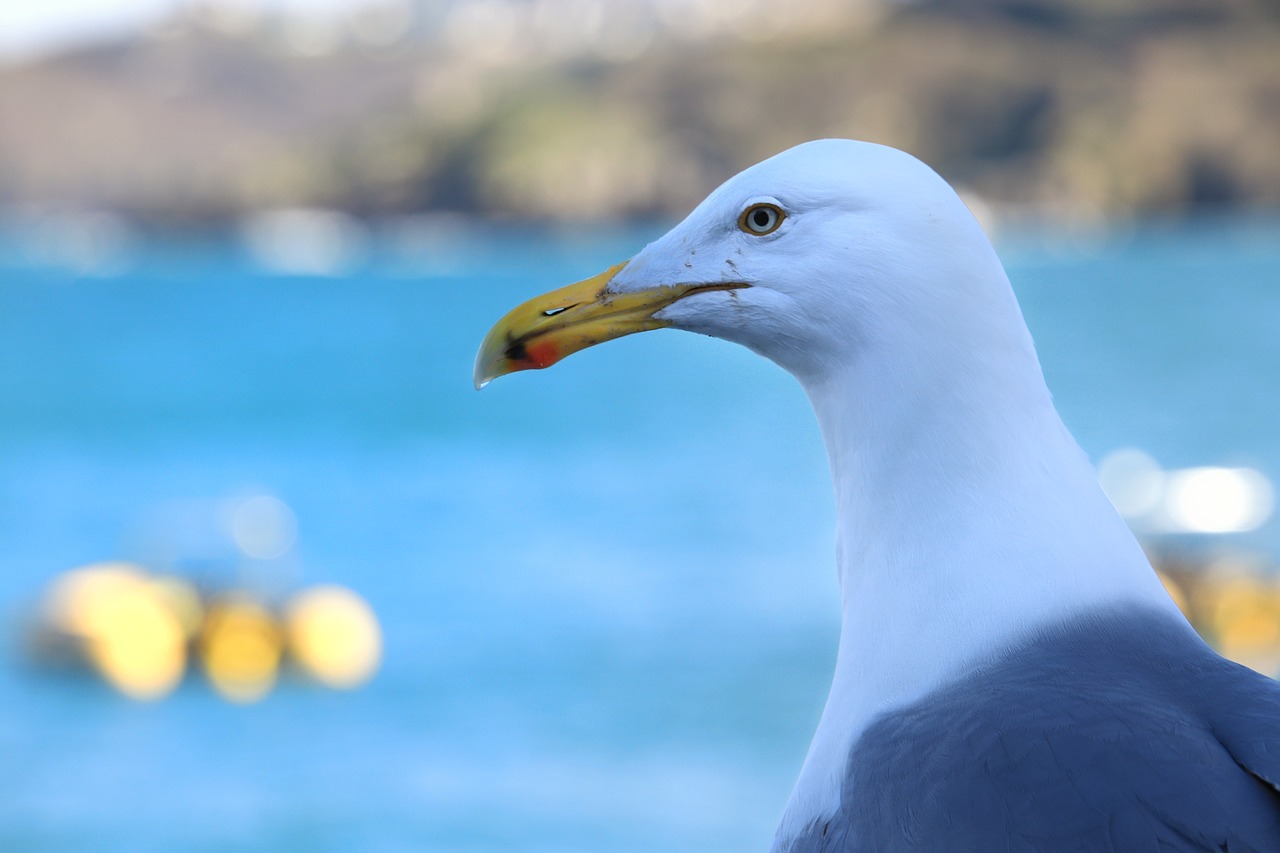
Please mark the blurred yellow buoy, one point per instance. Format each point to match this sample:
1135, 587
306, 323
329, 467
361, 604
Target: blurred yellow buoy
69, 603
240, 647
334, 636
130, 633
1246, 619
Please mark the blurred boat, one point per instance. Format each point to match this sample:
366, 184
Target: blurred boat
143, 633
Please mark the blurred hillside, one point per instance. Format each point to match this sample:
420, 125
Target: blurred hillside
579, 109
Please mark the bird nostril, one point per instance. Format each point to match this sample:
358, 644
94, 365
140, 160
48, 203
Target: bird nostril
551, 312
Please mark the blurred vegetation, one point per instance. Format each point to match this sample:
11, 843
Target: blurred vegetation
581, 109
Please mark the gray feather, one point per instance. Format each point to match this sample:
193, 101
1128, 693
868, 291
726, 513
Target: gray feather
1119, 732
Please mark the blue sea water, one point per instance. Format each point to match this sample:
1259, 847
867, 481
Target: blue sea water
607, 589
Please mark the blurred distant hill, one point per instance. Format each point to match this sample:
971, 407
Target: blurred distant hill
584, 109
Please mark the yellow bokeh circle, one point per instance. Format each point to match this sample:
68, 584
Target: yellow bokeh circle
334, 636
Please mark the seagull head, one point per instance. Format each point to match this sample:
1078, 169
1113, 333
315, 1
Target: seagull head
810, 258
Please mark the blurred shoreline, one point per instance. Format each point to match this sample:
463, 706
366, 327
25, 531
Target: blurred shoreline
578, 111
329, 243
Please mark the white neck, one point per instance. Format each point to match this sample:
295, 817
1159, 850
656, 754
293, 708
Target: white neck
968, 517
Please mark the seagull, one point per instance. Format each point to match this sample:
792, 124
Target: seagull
1011, 674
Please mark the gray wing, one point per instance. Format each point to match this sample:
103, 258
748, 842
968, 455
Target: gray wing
1120, 733
1245, 718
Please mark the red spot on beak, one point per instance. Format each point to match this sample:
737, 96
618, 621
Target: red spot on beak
542, 353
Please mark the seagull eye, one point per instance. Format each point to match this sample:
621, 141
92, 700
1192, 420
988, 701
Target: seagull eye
761, 219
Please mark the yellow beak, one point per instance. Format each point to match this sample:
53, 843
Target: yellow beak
547, 328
